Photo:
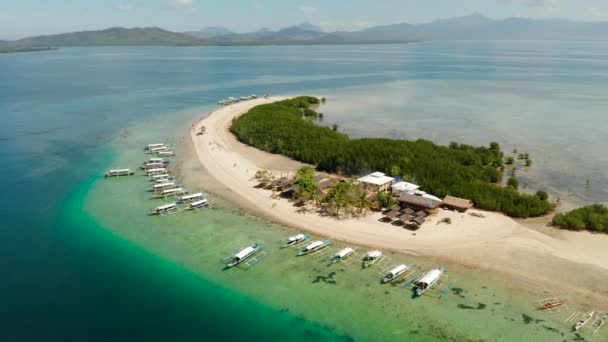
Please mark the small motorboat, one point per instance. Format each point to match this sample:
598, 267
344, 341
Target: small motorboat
243, 255
370, 258
295, 239
395, 273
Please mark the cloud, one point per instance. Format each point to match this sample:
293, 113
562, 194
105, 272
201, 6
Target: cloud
548, 5
308, 9
180, 2
125, 7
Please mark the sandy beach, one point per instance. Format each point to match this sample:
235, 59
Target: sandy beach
553, 260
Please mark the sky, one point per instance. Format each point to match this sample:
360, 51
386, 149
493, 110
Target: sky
21, 18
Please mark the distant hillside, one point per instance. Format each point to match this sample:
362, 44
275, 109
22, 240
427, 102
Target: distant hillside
473, 27
113, 36
478, 27
210, 32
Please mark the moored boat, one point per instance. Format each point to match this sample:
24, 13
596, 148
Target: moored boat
370, 258
395, 273
552, 304
243, 254
428, 280
164, 209
343, 254
165, 153
172, 192
163, 186
157, 171
199, 204
295, 239
583, 321
153, 165
191, 198
314, 246
151, 146
119, 172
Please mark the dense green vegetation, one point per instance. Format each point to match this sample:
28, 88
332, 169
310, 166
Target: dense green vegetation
459, 170
593, 218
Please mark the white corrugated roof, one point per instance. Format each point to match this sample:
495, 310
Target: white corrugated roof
430, 277
398, 269
313, 245
376, 178
243, 253
405, 186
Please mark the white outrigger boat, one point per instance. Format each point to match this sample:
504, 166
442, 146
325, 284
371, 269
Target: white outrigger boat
243, 254
603, 321
314, 246
165, 153
157, 171
158, 149
151, 146
583, 321
395, 273
160, 176
191, 198
119, 172
199, 204
342, 254
370, 258
172, 192
428, 280
295, 239
165, 209
163, 186
153, 165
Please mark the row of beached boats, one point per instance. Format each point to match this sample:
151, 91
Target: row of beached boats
232, 100
155, 165
421, 284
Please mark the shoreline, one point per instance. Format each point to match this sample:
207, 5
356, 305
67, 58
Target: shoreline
568, 261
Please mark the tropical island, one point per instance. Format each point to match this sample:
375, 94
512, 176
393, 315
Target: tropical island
457, 170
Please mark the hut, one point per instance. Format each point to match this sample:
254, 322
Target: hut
419, 201
455, 203
376, 181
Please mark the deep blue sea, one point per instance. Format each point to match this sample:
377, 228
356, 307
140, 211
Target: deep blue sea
68, 280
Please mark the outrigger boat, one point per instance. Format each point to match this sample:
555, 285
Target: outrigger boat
158, 149
191, 198
395, 273
160, 176
428, 280
172, 192
199, 204
158, 171
295, 239
584, 320
163, 209
552, 304
314, 246
370, 258
151, 146
165, 153
603, 321
163, 186
119, 172
343, 254
153, 165
157, 160
243, 255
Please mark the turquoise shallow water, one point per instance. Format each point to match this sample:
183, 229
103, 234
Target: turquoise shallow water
81, 262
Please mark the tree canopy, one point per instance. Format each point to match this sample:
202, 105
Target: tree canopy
458, 169
593, 218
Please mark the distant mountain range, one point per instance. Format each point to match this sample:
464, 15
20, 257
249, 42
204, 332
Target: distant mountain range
473, 27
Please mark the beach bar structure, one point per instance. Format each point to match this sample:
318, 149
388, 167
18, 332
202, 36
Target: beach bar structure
419, 201
455, 203
376, 181
404, 187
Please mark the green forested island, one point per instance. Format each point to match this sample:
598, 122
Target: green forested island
458, 170
593, 218
15, 49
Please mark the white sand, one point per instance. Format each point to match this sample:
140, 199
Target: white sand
494, 242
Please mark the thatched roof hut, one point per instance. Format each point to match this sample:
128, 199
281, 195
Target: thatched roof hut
456, 203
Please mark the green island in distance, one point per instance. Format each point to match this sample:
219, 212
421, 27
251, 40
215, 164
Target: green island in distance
17, 49
459, 170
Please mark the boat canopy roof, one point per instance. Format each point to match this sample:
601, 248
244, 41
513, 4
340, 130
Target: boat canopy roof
119, 170
197, 203
160, 176
398, 269
296, 237
374, 254
162, 185
161, 169
156, 160
244, 252
313, 245
155, 145
168, 191
344, 252
166, 206
192, 196
165, 152
430, 277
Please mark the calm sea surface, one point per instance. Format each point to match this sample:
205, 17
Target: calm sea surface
80, 261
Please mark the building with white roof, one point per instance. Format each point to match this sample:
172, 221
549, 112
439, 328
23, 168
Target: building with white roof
406, 187
376, 181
